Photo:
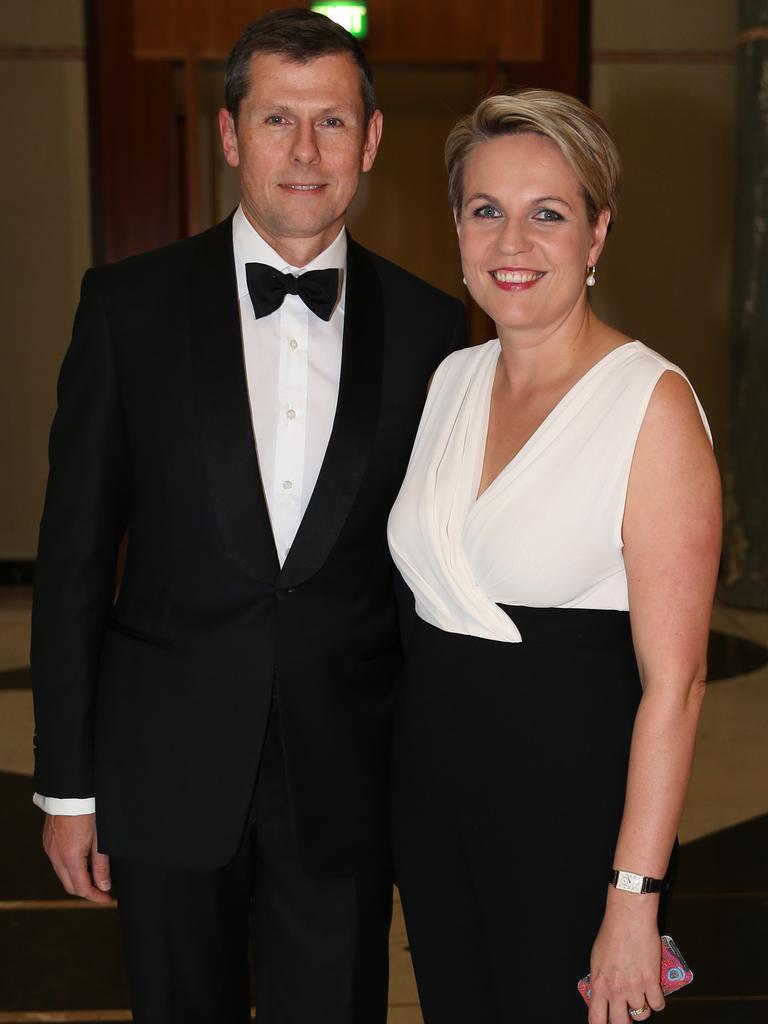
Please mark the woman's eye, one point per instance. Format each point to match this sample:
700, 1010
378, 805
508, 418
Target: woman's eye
486, 212
548, 215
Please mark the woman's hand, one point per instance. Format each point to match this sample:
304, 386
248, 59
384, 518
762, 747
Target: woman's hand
626, 961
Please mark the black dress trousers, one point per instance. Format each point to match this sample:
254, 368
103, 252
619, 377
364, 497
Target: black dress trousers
320, 945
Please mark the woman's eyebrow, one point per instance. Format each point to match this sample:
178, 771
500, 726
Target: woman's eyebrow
551, 199
482, 195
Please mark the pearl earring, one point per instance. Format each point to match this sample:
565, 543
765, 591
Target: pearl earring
591, 279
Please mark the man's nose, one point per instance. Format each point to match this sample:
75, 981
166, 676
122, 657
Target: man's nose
305, 148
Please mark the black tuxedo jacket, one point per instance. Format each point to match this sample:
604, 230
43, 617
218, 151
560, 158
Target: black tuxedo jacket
157, 702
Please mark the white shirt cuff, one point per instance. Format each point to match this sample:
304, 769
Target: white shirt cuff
69, 805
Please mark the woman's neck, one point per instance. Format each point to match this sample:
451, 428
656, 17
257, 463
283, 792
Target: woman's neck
532, 358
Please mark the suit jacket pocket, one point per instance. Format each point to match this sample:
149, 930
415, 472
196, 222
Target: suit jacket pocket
137, 633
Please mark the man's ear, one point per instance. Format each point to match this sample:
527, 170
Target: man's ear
372, 140
228, 134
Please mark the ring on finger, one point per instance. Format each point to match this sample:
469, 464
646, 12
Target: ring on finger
639, 1012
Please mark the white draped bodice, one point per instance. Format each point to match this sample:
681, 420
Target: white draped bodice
547, 531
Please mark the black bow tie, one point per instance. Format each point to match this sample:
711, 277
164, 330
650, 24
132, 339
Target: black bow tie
318, 289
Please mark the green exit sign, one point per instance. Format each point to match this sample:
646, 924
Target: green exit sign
352, 17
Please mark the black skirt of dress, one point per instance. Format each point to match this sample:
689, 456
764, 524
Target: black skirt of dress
509, 775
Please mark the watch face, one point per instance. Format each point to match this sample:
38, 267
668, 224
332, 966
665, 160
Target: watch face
629, 882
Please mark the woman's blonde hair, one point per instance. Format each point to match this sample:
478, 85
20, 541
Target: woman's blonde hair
577, 131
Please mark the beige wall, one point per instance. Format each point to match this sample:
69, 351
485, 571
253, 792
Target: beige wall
664, 79
402, 208
44, 241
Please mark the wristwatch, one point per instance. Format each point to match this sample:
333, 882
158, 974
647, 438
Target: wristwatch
628, 881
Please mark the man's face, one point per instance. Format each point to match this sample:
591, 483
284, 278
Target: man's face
300, 144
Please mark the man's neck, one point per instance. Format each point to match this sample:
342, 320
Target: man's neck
297, 252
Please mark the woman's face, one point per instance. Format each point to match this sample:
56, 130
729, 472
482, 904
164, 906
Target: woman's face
523, 232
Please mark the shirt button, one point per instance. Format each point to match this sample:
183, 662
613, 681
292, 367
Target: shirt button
287, 485
291, 414
293, 343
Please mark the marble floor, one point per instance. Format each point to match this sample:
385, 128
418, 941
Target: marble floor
59, 958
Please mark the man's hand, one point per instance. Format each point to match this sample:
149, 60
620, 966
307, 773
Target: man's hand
70, 842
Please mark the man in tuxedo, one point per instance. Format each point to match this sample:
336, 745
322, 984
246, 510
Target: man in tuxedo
242, 405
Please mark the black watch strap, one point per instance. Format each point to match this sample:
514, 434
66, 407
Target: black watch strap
628, 881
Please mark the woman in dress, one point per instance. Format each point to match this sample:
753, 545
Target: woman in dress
559, 526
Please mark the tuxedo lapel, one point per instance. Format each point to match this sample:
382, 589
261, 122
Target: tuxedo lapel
229, 450
354, 425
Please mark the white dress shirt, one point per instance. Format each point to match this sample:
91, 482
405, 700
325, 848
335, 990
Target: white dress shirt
292, 366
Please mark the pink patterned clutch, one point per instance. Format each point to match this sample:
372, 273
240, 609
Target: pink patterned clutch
675, 972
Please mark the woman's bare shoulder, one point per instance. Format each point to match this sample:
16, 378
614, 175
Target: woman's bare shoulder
674, 416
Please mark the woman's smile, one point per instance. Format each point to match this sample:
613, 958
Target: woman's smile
516, 279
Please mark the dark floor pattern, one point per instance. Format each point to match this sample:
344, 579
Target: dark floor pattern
16, 679
730, 656
719, 918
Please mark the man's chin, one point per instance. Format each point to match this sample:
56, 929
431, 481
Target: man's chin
307, 228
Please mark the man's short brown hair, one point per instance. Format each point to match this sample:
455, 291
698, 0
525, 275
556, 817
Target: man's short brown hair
298, 35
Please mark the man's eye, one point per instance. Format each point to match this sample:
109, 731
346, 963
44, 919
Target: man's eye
487, 212
275, 119
333, 122
547, 215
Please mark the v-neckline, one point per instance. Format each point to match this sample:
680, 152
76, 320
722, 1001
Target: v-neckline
532, 437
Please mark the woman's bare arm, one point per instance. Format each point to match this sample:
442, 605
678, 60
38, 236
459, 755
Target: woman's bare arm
672, 534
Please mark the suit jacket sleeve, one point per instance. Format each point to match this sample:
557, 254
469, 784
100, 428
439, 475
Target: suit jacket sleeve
83, 522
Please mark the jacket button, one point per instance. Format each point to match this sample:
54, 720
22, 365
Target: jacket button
282, 594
